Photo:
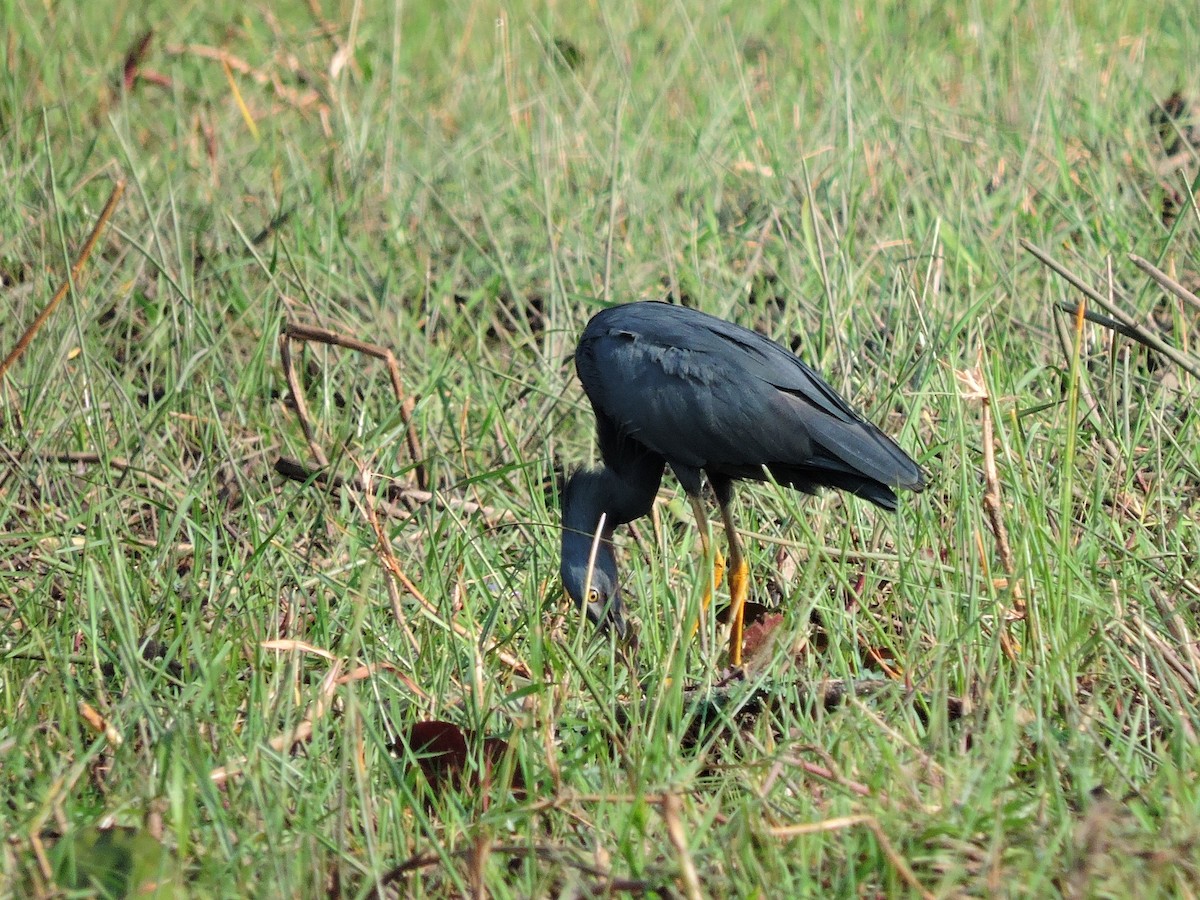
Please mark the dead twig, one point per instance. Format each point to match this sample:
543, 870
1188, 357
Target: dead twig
392, 565
1176, 624
546, 853
76, 271
1072, 310
678, 838
728, 707
283, 742
91, 458
1091, 404
1130, 325
1166, 281
828, 773
295, 331
300, 100
393, 584
298, 404
871, 824
974, 388
399, 499
334, 678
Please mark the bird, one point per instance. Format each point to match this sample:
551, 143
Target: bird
673, 387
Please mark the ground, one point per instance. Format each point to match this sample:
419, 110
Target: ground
279, 604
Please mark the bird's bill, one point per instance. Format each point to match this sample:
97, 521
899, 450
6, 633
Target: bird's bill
607, 617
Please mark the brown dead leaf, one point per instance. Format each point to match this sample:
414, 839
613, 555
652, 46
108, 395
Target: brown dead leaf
758, 640
443, 752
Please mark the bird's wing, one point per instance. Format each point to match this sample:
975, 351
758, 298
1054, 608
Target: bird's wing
704, 392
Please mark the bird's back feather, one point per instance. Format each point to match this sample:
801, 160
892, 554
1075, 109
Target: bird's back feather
703, 393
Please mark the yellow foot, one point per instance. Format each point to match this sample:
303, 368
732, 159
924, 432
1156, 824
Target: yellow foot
718, 573
717, 576
739, 590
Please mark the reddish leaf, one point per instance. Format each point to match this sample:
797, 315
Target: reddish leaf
440, 749
751, 613
443, 752
757, 637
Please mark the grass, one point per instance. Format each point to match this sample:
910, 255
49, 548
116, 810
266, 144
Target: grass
210, 670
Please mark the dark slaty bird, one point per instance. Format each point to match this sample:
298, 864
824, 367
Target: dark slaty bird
671, 386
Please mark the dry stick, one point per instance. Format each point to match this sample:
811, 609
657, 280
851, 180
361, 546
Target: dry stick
301, 100
1091, 404
992, 505
43, 861
1183, 360
298, 404
1165, 688
675, 833
294, 470
326, 28
833, 774
1175, 622
300, 332
806, 553
286, 740
366, 670
936, 772
730, 702
397, 495
368, 506
976, 389
1166, 281
393, 567
83, 457
1167, 654
91, 458
826, 774
870, 823
545, 852
1173, 163
76, 271
476, 860
283, 742
1072, 309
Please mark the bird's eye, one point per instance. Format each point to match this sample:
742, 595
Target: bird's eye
593, 596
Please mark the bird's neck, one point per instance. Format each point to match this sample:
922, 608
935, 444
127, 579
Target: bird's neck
589, 503
618, 497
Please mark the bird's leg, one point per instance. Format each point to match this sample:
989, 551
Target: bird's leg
712, 556
739, 581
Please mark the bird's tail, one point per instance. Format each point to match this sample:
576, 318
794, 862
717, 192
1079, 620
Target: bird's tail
857, 457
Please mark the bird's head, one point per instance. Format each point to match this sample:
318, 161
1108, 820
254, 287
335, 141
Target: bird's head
599, 595
591, 581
